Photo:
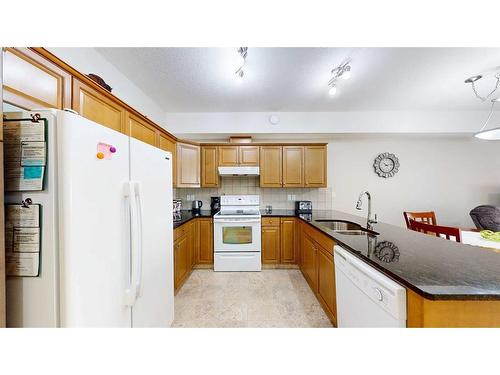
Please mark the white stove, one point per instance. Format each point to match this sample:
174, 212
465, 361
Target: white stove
237, 227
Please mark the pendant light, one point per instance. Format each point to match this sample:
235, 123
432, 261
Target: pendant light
489, 134
492, 134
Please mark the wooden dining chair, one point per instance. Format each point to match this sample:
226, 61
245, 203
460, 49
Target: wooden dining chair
428, 217
436, 230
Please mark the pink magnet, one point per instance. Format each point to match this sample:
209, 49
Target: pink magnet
112, 149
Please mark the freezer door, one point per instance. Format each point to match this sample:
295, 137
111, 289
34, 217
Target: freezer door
151, 174
94, 224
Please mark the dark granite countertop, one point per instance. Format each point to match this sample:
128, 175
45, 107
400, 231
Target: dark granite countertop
435, 268
187, 215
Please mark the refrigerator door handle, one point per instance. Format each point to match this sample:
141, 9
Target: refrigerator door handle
140, 241
131, 292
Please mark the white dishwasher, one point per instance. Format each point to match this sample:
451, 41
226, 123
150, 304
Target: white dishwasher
366, 297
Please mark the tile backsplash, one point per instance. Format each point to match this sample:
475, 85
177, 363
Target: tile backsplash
322, 198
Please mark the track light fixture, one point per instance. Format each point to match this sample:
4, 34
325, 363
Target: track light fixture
242, 51
342, 71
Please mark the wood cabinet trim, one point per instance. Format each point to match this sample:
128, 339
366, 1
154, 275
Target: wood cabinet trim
85, 79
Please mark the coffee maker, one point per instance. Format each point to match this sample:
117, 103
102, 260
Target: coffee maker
214, 205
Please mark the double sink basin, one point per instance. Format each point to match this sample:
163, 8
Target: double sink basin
345, 227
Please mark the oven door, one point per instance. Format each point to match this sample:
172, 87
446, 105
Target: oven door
237, 234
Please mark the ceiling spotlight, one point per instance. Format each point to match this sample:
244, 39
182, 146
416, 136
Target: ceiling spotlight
333, 90
242, 51
342, 71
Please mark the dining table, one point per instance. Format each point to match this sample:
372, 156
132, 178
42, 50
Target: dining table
474, 238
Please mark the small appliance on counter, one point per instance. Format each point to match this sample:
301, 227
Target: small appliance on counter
177, 205
197, 206
303, 207
177, 216
214, 205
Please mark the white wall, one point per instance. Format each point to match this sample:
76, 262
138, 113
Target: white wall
326, 122
449, 175
88, 60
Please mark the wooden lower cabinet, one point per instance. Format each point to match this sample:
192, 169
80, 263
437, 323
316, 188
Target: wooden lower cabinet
206, 241
182, 260
326, 284
315, 258
288, 240
308, 266
193, 245
270, 244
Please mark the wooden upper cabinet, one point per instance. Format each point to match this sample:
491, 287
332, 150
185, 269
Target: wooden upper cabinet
271, 166
315, 166
209, 162
288, 240
188, 165
249, 155
228, 156
97, 107
141, 130
168, 144
30, 81
293, 166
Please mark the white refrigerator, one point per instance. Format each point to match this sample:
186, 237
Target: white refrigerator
106, 257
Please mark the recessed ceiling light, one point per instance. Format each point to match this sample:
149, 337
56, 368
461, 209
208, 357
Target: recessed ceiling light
332, 91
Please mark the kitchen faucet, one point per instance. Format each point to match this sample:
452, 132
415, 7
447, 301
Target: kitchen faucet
369, 221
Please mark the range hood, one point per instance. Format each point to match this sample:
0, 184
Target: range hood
239, 171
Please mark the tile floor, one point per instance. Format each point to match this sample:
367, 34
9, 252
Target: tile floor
277, 298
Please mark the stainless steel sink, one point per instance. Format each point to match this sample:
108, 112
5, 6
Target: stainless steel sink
345, 227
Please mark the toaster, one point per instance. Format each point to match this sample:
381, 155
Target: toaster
303, 207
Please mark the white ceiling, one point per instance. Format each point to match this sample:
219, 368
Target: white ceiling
295, 79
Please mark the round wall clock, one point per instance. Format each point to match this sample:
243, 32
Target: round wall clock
386, 165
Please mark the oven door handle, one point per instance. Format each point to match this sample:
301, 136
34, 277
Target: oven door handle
232, 221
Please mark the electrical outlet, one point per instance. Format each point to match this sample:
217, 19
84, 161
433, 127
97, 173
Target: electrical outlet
293, 197
289, 197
